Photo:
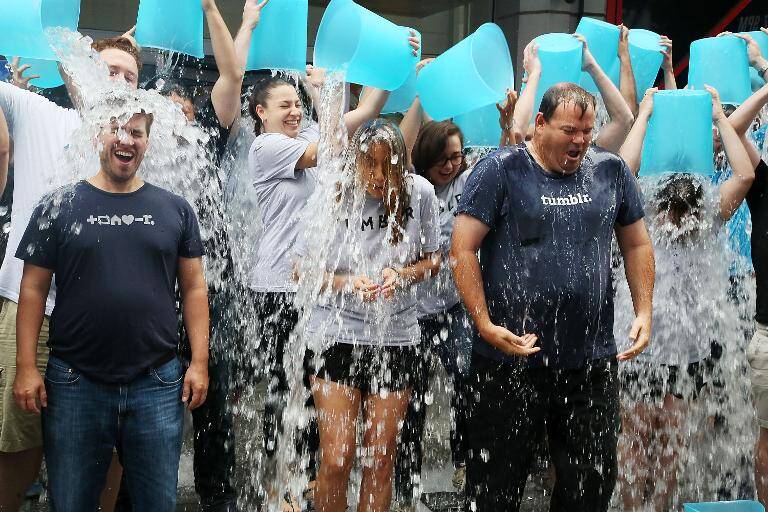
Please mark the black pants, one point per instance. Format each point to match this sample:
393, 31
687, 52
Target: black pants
410, 449
513, 407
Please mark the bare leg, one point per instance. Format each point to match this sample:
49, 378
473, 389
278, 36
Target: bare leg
761, 466
337, 409
108, 497
633, 453
383, 417
18, 470
670, 445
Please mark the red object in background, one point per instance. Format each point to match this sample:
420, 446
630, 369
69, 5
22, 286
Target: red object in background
613, 11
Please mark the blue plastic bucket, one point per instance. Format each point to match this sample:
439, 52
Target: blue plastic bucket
480, 127
679, 137
725, 506
22, 23
280, 39
762, 40
48, 71
560, 56
722, 63
472, 74
371, 50
401, 99
603, 41
645, 54
175, 25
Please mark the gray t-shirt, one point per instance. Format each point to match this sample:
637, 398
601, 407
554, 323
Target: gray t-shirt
439, 294
362, 246
281, 194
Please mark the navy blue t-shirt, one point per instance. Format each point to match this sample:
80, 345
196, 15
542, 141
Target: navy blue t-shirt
115, 261
546, 259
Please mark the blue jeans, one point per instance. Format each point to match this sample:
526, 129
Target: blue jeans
86, 420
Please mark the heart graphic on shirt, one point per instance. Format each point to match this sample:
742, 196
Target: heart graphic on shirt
128, 219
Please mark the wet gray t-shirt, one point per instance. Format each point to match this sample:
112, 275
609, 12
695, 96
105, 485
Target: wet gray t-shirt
362, 246
439, 294
281, 194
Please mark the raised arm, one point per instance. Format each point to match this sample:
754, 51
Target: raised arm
524, 113
612, 134
5, 151
743, 117
509, 136
412, 120
670, 83
194, 302
28, 387
627, 84
632, 149
251, 17
735, 189
225, 95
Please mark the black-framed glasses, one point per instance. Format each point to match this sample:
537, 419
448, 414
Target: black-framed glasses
455, 159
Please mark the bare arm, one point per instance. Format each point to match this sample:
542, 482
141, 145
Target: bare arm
468, 235
242, 42
410, 126
627, 84
28, 387
640, 270
194, 301
670, 83
225, 95
5, 151
613, 134
524, 113
632, 149
509, 134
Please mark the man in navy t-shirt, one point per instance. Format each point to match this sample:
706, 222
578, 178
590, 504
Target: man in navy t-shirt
117, 247
542, 217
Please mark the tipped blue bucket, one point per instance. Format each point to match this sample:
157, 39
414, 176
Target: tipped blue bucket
175, 25
401, 99
48, 71
725, 506
762, 41
23, 21
679, 137
560, 56
603, 41
472, 74
480, 127
372, 50
280, 39
645, 54
722, 63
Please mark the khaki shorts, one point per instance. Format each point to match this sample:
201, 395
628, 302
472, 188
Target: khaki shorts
19, 430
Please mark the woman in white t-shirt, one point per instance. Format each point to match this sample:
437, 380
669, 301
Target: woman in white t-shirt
659, 386
386, 239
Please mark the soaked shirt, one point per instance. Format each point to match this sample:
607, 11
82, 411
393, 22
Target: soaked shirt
439, 294
115, 261
281, 194
757, 200
361, 247
546, 259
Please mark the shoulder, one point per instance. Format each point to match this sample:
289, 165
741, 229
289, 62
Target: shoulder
167, 197
310, 133
419, 184
604, 160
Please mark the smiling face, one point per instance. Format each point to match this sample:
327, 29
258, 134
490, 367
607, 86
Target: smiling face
448, 164
563, 141
124, 148
122, 66
282, 111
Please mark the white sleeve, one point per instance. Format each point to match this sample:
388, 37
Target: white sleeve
430, 219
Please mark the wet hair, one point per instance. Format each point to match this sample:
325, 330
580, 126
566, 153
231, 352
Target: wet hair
431, 142
118, 43
259, 96
173, 87
396, 199
680, 194
564, 93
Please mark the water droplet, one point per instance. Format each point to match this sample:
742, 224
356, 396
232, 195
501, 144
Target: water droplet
7, 228
394, 159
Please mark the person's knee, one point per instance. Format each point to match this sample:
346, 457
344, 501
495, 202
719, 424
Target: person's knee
336, 461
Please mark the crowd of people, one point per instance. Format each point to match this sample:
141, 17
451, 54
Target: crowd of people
504, 270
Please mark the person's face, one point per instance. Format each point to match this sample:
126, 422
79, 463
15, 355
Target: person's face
187, 107
448, 164
124, 148
373, 167
564, 140
122, 66
282, 112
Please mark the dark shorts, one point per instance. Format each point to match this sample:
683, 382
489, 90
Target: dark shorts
643, 381
369, 368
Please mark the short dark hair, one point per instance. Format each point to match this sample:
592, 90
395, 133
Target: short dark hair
680, 193
118, 43
430, 144
260, 95
562, 93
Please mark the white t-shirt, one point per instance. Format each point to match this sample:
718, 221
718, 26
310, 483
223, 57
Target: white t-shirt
40, 130
281, 195
365, 249
439, 294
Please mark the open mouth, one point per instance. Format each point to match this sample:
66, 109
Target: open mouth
124, 156
573, 154
292, 123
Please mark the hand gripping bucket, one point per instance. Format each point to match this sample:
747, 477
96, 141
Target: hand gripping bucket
722, 63
603, 42
560, 56
762, 41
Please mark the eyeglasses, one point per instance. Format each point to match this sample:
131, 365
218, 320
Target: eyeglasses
455, 159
